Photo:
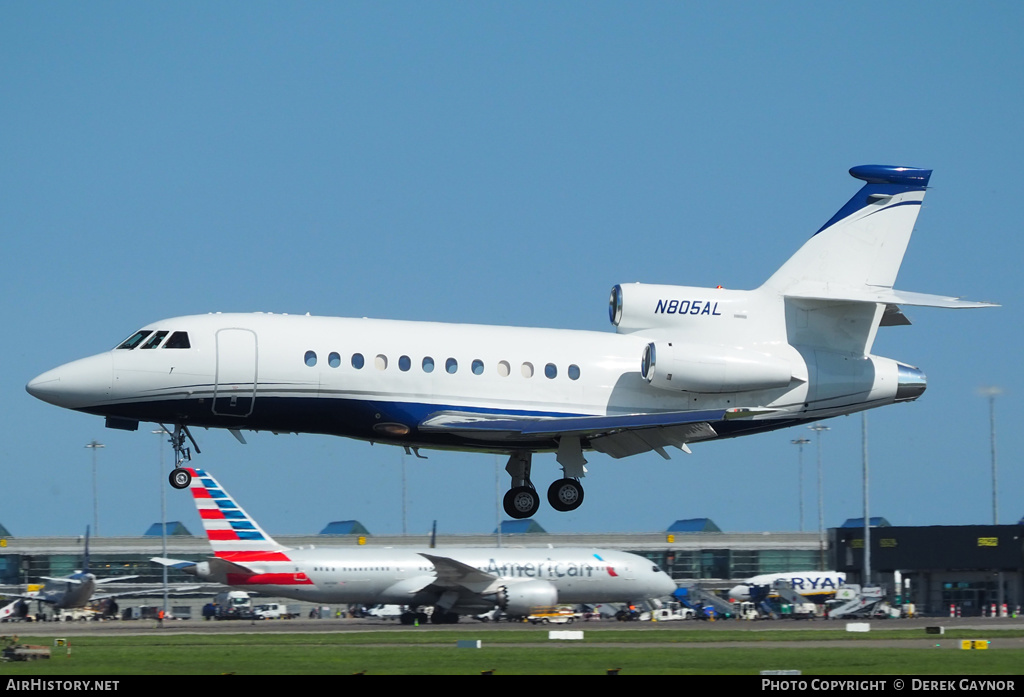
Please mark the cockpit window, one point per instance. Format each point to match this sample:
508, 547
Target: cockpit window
178, 340
135, 339
155, 341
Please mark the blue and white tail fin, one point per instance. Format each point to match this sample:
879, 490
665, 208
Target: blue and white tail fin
839, 284
861, 247
231, 531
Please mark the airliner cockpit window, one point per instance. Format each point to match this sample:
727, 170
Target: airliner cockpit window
135, 339
178, 340
155, 341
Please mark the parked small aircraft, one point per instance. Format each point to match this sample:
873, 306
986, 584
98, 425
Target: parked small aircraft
684, 364
76, 590
454, 581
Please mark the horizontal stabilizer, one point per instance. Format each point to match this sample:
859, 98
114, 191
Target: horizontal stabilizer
217, 565
172, 563
868, 294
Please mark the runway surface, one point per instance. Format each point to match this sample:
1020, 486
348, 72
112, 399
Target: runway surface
879, 629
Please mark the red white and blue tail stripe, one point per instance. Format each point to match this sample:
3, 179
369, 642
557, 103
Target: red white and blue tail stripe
228, 527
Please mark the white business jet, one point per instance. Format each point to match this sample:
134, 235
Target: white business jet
454, 581
683, 365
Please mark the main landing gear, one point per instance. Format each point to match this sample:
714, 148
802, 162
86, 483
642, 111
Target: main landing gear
523, 501
180, 477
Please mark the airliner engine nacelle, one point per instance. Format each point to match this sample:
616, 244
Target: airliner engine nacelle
686, 367
523, 598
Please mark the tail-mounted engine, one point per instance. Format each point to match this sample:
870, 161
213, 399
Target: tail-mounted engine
711, 369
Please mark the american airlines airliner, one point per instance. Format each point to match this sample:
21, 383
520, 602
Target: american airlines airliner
683, 365
452, 581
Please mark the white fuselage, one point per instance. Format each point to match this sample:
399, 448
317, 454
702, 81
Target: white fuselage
379, 380
406, 577
807, 583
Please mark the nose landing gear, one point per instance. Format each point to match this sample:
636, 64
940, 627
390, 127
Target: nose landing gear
180, 477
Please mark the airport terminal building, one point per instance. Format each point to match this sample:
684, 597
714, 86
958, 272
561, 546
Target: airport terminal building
972, 567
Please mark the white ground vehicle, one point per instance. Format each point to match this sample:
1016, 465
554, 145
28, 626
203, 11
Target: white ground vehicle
233, 605
385, 612
276, 611
668, 614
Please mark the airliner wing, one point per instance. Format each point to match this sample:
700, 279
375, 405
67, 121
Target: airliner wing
25, 596
618, 435
153, 591
454, 575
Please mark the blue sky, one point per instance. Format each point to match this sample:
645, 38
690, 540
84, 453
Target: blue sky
498, 163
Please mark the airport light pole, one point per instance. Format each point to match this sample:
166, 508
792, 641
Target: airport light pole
992, 392
818, 428
160, 432
800, 443
867, 514
95, 445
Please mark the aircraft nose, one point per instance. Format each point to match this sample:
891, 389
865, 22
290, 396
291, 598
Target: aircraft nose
668, 585
75, 385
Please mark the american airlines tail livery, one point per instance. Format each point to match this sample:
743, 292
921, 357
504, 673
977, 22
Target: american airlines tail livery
453, 581
683, 365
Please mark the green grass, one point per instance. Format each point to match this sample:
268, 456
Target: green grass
423, 652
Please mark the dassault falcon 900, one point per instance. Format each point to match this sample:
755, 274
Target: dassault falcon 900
683, 365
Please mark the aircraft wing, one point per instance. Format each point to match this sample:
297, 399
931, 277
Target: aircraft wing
24, 596
456, 576
153, 591
618, 435
111, 579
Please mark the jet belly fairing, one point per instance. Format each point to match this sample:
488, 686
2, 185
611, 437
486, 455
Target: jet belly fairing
685, 364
